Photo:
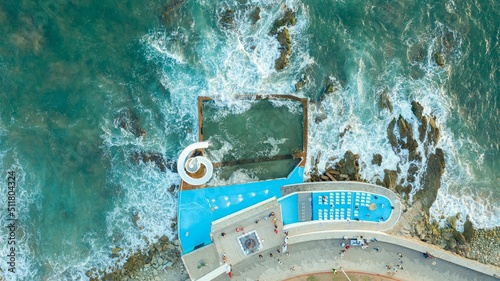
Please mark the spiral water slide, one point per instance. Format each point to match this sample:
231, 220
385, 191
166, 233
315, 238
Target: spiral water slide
193, 164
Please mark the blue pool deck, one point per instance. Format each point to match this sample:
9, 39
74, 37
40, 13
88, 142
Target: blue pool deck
340, 206
198, 208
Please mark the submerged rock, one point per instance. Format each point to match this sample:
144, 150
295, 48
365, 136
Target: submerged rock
226, 19
417, 52
377, 159
170, 12
256, 15
448, 40
128, 120
385, 102
157, 159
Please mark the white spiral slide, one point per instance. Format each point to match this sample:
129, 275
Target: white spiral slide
193, 164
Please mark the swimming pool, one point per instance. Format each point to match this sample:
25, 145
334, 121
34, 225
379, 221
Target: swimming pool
338, 206
199, 207
350, 205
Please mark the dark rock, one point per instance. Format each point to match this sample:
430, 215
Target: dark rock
468, 230
413, 155
299, 85
448, 40
279, 28
226, 19
115, 250
286, 20
349, 165
140, 132
433, 134
417, 109
390, 178
135, 219
320, 117
286, 49
390, 134
281, 61
377, 159
412, 172
385, 102
256, 15
404, 127
439, 59
407, 141
459, 237
172, 188
452, 222
346, 129
329, 89
284, 39
431, 179
422, 129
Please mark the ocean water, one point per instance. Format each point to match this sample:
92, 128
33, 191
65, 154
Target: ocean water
88, 88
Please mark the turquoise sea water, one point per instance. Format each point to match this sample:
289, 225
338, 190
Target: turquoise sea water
88, 88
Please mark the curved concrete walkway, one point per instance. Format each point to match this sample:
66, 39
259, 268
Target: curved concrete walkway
319, 252
314, 247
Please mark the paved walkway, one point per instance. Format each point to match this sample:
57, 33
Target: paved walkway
323, 255
314, 247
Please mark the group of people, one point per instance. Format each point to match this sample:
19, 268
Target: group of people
398, 265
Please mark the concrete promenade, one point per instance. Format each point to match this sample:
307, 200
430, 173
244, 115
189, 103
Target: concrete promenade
314, 246
322, 255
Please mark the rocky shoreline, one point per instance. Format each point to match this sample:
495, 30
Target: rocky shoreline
482, 245
162, 260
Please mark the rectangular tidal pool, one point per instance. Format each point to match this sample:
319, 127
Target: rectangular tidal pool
260, 138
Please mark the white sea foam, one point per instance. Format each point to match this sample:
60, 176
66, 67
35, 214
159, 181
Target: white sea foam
25, 264
274, 150
241, 61
238, 176
346, 112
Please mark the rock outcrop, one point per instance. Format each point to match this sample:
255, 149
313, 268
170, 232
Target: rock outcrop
385, 102
280, 29
226, 19
256, 15
129, 121
347, 169
144, 265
